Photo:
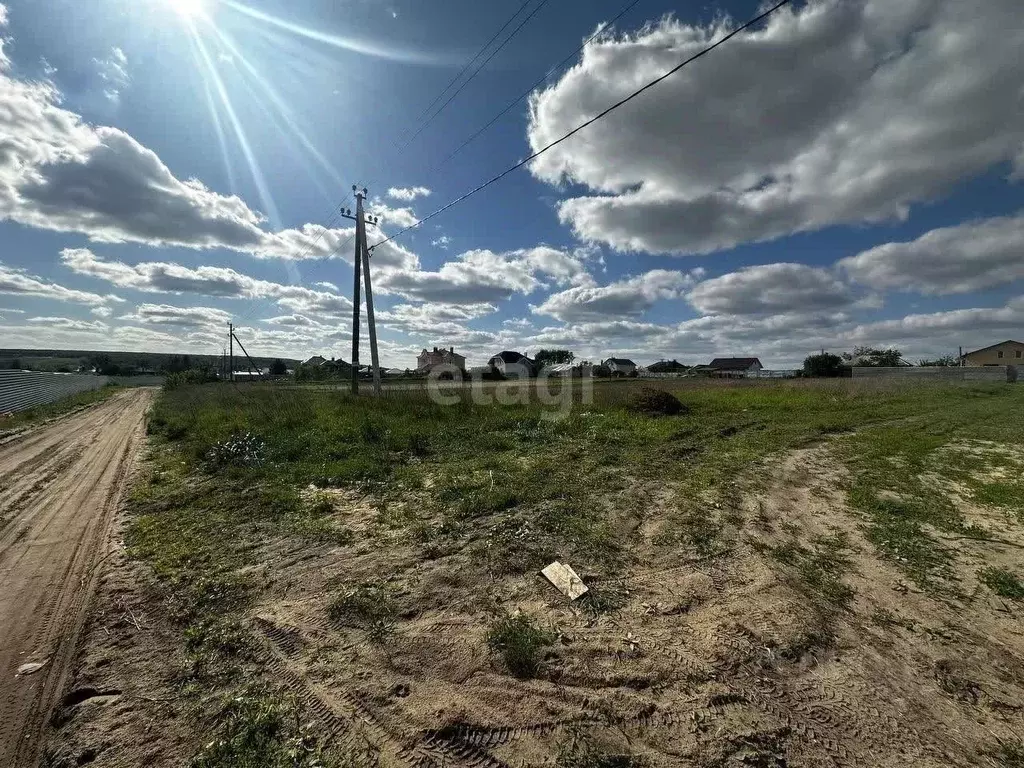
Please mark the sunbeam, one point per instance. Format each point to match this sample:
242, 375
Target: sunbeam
283, 110
345, 43
262, 188
221, 137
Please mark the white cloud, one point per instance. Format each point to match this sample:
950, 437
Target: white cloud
771, 289
482, 276
408, 194
59, 173
395, 217
838, 111
184, 318
113, 70
630, 297
960, 259
17, 282
432, 318
70, 324
442, 242
161, 277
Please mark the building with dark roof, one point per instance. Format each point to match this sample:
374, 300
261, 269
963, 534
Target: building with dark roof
735, 366
512, 364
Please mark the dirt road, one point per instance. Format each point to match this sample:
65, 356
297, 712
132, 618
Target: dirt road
59, 488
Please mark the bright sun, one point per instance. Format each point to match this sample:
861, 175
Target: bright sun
188, 8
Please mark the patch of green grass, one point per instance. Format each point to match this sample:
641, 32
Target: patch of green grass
1003, 582
1008, 754
257, 728
370, 606
819, 568
893, 466
520, 642
885, 618
696, 529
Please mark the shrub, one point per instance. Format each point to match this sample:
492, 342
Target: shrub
242, 449
368, 606
824, 365
656, 402
520, 643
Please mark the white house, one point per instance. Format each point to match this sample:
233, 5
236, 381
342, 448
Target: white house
620, 366
512, 365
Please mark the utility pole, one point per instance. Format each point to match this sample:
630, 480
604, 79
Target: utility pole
362, 265
253, 368
231, 358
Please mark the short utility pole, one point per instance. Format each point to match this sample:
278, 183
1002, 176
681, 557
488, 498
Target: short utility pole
362, 265
231, 358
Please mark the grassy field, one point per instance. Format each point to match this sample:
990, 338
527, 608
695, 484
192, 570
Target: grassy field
368, 545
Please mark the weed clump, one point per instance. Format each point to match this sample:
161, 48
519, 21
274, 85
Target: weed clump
655, 402
243, 449
368, 606
520, 643
1003, 582
257, 729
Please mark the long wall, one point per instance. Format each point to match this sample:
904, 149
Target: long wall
23, 389
939, 373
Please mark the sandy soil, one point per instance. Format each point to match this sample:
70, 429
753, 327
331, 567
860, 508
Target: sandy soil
59, 487
726, 661
715, 662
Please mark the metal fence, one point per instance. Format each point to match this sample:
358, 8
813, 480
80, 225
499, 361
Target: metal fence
23, 389
939, 373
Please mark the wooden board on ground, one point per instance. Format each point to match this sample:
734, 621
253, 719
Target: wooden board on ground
565, 580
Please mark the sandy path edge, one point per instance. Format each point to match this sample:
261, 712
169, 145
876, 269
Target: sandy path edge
59, 490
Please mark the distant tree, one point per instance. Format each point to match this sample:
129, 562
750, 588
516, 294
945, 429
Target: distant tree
175, 364
553, 357
601, 371
278, 368
871, 357
823, 365
946, 361
15, 364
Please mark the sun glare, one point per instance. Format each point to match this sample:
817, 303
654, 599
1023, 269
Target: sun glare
189, 9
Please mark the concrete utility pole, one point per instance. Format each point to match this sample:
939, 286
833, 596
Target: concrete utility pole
231, 358
362, 264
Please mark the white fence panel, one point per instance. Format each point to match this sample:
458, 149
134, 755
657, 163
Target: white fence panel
23, 389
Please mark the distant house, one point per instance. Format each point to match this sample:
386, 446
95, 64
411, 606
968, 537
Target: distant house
667, 366
569, 370
620, 366
735, 366
1004, 353
512, 365
316, 361
427, 360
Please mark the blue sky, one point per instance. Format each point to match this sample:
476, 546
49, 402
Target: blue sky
846, 173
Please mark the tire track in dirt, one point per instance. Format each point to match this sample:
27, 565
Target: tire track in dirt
67, 479
354, 725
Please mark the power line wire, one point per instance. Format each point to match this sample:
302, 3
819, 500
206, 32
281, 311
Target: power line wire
588, 123
472, 61
336, 215
475, 72
536, 83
